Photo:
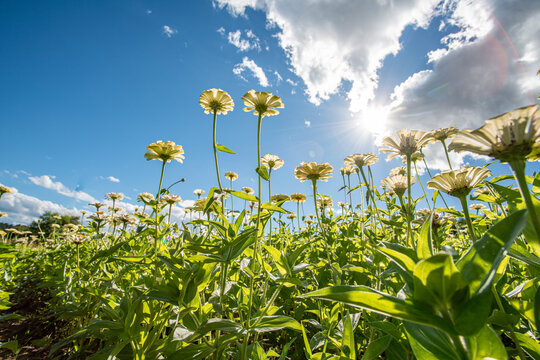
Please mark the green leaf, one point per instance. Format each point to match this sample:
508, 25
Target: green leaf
272, 207
134, 259
472, 316
376, 348
486, 345
12, 345
436, 280
379, 302
244, 196
348, 347
263, 172
479, 265
529, 345
307, 348
276, 322
424, 246
223, 148
429, 343
10, 317
219, 324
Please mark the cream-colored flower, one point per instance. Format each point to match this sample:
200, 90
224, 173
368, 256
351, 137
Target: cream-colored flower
171, 199
263, 103
145, 197
291, 216
164, 151
309, 222
342, 204
298, 197
114, 196
97, 205
248, 190
98, 217
477, 207
231, 175
216, 100
313, 171
272, 162
198, 192
514, 135
280, 197
126, 219
442, 134
396, 184
402, 170
360, 160
348, 170
406, 143
324, 202
459, 183
5, 190
417, 156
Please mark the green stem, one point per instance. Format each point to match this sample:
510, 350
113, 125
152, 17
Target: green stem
323, 230
270, 201
157, 215
518, 167
215, 152
420, 181
255, 245
446, 152
409, 206
463, 200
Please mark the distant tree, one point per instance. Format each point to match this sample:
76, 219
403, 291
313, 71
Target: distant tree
45, 221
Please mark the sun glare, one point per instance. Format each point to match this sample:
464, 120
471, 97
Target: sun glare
374, 119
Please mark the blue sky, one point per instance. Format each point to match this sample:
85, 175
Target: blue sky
87, 85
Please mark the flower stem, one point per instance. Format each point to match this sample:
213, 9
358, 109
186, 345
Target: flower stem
463, 200
446, 152
420, 181
409, 206
215, 152
518, 167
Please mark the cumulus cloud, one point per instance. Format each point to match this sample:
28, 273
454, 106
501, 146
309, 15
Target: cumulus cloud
47, 182
169, 31
256, 70
250, 42
332, 43
23, 209
113, 179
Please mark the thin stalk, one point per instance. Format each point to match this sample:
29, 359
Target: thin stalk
463, 200
409, 206
255, 245
446, 153
314, 182
270, 201
518, 167
422, 186
215, 152
429, 173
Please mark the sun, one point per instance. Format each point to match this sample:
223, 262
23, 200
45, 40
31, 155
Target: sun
374, 119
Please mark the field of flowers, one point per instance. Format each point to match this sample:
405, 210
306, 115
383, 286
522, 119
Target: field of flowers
371, 276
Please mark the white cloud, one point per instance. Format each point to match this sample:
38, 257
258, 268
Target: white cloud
169, 31
221, 30
48, 183
23, 209
113, 179
307, 123
235, 38
292, 83
256, 70
278, 77
148, 11
332, 43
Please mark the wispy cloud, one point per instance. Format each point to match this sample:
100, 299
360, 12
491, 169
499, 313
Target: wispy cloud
255, 69
110, 178
250, 42
169, 31
47, 182
307, 123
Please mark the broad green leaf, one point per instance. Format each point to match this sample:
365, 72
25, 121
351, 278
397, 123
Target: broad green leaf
244, 196
486, 345
429, 343
307, 348
280, 262
223, 148
12, 345
424, 246
379, 302
263, 172
529, 345
275, 322
376, 348
219, 324
436, 280
193, 351
479, 265
134, 259
348, 347
472, 316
